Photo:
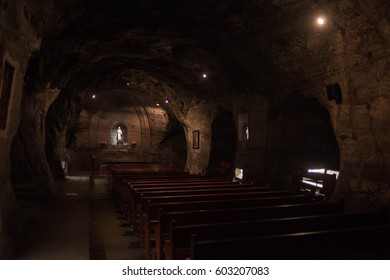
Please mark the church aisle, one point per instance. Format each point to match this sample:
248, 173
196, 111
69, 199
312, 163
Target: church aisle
80, 224
57, 228
109, 229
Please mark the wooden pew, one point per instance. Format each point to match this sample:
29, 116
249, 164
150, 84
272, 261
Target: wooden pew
153, 208
123, 181
368, 242
134, 167
127, 189
178, 241
104, 164
156, 176
117, 167
116, 172
175, 181
136, 196
139, 199
147, 227
147, 217
236, 213
171, 182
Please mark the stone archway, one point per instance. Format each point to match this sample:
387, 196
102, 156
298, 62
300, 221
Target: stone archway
173, 147
300, 135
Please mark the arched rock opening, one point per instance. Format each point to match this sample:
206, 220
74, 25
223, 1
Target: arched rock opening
96, 131
300, 136
173, 147
223, 144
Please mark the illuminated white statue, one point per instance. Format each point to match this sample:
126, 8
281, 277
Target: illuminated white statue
119, 134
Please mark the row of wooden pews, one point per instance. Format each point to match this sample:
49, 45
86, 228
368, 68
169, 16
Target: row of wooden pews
177, 215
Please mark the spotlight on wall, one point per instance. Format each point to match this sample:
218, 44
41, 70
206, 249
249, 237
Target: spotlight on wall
334, 93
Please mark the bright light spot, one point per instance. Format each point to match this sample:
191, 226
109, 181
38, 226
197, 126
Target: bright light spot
331, 172
167, 101
322, 170
158, 104
311, 183
321, 21
128, 84
239, 173
204, 75
93, 96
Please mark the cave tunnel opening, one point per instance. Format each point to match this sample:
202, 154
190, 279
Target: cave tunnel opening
173, 147
223, 144
300, 136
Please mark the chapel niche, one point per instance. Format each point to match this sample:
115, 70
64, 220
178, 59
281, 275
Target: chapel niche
119, 134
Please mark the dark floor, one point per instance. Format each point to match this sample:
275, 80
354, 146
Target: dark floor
82, 223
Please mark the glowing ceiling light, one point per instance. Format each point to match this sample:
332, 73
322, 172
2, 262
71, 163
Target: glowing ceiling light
321, 20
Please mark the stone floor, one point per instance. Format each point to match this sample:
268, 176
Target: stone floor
82, 223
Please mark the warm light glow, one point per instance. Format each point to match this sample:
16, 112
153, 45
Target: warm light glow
204, 75
128, 84
321, 20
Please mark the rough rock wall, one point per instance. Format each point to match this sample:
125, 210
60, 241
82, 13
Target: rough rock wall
28, 148
17, 43
173, 147
198, 118
352, 51
362, 121
60, 118
158, 123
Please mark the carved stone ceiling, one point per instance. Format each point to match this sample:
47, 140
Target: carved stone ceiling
157, 47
